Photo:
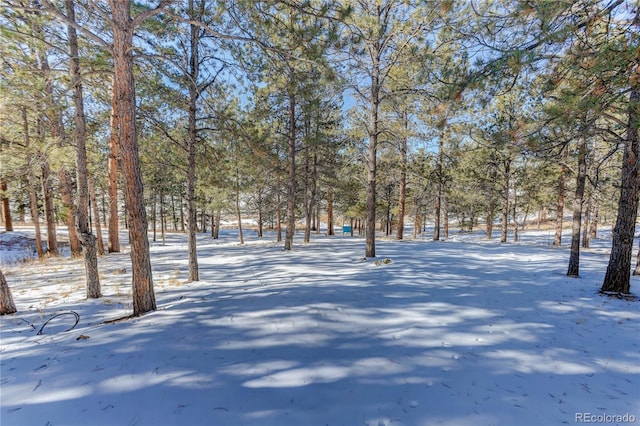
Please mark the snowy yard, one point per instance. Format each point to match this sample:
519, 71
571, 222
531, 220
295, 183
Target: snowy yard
459, 332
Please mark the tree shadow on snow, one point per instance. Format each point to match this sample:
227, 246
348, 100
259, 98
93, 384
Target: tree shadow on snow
444, 334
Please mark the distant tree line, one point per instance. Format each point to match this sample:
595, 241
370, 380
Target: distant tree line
170, 115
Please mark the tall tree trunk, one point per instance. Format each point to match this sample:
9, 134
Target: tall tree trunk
516, 237
35, 216
278, 216
260, 217
113, 243
636, 271
181, 216
56, 128
586, 224
330, 224
307, 188
617, 277
372, 154
402, 186
218, 217
490, 214
142, 282
593, 228
213, 223
154, 209
6, 208
387, 219
291, 195
163, 218
445, 216
47, 194
314, 187
6, 299
315, 220
173, 213
557, 241
311, 201
416, 220
194, 69
238, 212
439, 188
103, 209
505, 201
87, 239
66, 194
96, 214
578, 200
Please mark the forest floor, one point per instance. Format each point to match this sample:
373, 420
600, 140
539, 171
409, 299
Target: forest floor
458, 332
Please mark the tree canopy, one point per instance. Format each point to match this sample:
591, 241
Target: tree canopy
302, 111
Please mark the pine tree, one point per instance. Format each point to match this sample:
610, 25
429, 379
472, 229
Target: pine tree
383, 36
87, 238
7, 306
123, 29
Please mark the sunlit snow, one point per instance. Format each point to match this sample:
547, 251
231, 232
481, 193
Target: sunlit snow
458, 332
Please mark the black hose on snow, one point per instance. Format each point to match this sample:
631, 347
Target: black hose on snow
75, 314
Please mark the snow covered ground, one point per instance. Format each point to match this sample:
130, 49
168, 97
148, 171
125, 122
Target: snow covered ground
458, 332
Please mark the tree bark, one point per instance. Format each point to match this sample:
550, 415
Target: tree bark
636, 271
154, 209
586, 224
181, 216
56, 128
278, 216
593, 228
213, 223
312, 190
372, 154
439, 185
163, 219
173, 213
386, 222
445, 216
7, 306
47, 193
66, 193
96, 214
142, 282
35, 216
617, 278
291, 195
113, 243
260, 216
490, 215
505, 201
578, 200
6, 208
307, 188
557, 241
402, 186
516, 236
330, 230
87, 239
216, 234
237, 206
193, 74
